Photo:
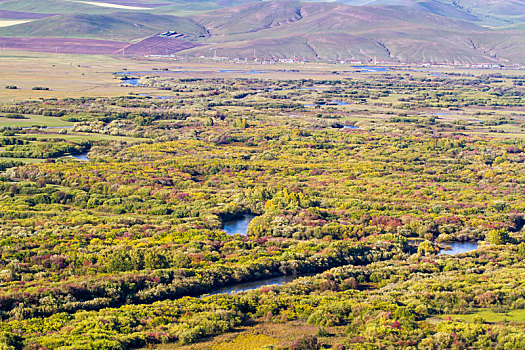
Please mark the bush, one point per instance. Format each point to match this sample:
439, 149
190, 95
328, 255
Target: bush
306, 342
500, 236
15, 116
10, 341
322, 332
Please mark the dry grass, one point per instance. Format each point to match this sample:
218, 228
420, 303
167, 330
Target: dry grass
261, 335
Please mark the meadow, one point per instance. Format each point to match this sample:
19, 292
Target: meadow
113, 200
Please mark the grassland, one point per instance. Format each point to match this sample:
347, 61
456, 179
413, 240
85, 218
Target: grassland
34, 120
513, 316
172, 7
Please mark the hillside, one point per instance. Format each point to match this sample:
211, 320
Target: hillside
157, 45
492, 13
119, 26
406, 31
171, 7
336, 31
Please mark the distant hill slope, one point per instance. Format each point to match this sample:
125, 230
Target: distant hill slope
63, 45
493, 12
157, 45
119, 26
408, 31
5, 14
339, 32
322, 17
168, 7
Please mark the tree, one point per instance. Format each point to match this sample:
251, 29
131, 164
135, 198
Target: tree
10, 341
427, 248
500, 236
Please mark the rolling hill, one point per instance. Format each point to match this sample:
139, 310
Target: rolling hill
492, 13
167, 7
336, 31
157, 45
119, 26
408, 31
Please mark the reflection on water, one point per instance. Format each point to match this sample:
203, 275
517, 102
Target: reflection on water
322, 103
82, 156
238, 226
241, 71
158, 97
372, 68
460, 247
132, 82
243, 287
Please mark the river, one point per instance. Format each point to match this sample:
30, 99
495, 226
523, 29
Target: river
244, 287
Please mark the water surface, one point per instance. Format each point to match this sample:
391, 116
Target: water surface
238, 225
460, 247
372, 68
244, 287
82, 156
333, 102
159, 97
131, 81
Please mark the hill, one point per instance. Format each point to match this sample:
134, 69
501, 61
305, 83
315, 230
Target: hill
119, 26
407, 31
337, 31
63, 45
171, 7
492, 13
157, 45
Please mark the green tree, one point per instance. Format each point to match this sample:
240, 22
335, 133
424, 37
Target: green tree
427, 248
500, 236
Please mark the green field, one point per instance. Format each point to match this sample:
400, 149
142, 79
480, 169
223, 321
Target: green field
34, 120
512, 316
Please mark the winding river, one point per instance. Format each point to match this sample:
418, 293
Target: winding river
247, 286
239, 225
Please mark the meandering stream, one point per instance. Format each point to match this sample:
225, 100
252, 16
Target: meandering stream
246, 286
239, 225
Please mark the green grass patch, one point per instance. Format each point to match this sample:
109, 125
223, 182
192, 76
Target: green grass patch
25, 160
33, 120
517, 316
